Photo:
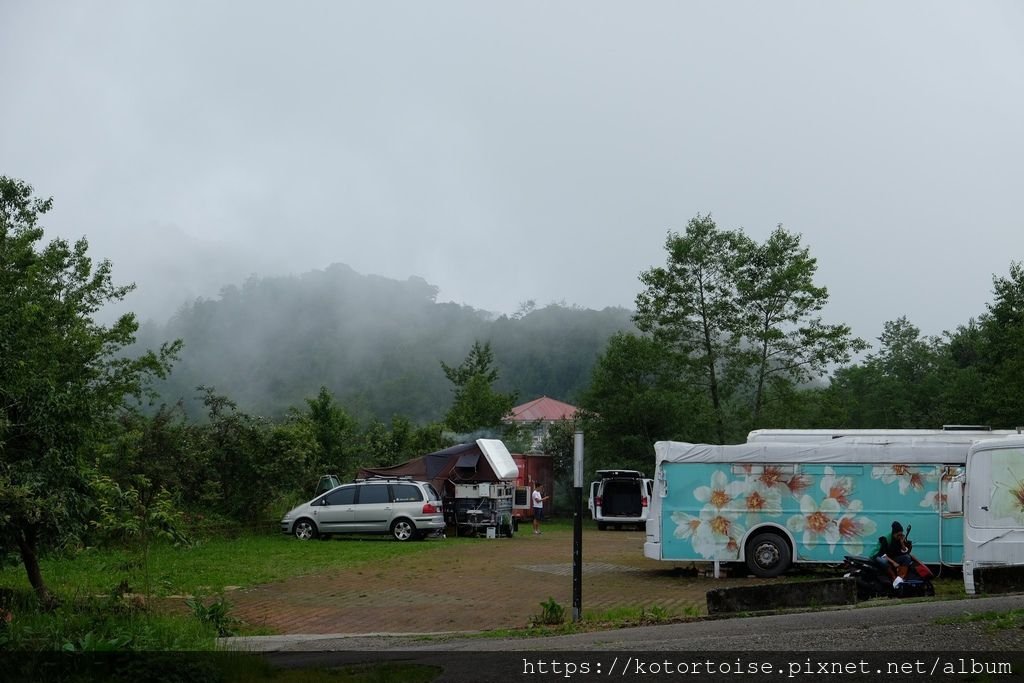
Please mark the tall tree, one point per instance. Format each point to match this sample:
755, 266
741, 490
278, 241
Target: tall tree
476, 405
690, 305
779, 305
63, 378
742, 317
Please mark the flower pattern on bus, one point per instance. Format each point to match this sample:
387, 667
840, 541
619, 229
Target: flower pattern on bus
853, 528
832, 518
717, 530
933, 500
721, 492
718, 534
686, 524
816, 520
909, 478
775, 478
760, 500
713, 534
839, 488
797, 484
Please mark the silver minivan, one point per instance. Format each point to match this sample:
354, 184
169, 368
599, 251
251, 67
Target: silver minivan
404, 508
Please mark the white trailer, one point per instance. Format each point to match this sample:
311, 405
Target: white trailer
774, 503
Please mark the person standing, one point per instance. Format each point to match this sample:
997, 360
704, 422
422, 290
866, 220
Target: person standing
538, 507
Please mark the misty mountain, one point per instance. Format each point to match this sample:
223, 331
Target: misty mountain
374, 342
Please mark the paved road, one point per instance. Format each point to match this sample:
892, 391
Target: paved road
893, 634
891, 626
375, 613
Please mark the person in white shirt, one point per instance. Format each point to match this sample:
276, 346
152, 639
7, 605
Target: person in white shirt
538, 507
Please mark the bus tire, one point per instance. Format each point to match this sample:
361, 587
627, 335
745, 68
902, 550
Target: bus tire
768, 555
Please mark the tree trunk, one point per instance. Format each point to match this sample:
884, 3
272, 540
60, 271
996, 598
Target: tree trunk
30, 558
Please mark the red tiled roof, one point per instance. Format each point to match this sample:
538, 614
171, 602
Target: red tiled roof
542, 408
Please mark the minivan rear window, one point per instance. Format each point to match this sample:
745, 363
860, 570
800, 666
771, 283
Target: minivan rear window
406, 493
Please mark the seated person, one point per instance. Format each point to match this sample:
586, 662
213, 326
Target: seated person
892, 552
899, 551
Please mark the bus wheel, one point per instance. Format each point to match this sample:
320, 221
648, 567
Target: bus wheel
768, 555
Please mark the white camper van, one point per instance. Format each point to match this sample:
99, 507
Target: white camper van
620, 498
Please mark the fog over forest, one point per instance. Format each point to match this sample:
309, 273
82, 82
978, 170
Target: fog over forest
374, 342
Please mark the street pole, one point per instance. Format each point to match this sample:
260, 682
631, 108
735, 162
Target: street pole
577, 529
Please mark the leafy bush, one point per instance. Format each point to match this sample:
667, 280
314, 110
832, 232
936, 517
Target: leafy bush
97, 625
552, 614
216, 614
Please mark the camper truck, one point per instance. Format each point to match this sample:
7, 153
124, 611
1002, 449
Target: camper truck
772, 504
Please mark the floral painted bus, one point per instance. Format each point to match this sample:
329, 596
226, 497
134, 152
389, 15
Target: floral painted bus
771, 504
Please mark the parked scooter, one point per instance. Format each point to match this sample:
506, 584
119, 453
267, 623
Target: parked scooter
875, 582
907, 576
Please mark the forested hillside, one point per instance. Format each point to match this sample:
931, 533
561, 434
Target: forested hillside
377, 344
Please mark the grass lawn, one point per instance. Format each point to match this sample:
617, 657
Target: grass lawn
209, 566
88, 583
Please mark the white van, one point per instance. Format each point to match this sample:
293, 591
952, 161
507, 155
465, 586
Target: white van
620, 498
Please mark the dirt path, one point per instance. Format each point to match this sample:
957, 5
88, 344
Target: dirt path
474, 585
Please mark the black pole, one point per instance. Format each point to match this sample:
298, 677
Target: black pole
577, 530
577, 556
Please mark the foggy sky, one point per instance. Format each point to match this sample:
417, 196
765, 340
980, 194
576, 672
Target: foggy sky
529, 150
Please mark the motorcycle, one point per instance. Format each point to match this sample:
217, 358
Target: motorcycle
912, 577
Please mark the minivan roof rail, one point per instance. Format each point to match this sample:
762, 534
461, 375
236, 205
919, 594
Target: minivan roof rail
966, 428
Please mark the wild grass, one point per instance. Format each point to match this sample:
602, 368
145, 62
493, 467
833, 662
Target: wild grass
211, 565
996, 621
98, 625
592, 620
101, 609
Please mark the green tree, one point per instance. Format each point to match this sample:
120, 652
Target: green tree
779, 303
402, 442
255, 462
136, 514
637, 396
902, 386
476, 405
966, 392
560, 443
336, 432
690, 305
63, 378
991, 356
742, 318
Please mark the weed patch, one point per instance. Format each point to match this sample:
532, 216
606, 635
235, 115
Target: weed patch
995, 621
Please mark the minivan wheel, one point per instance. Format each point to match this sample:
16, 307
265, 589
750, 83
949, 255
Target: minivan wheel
403, 530
304, 529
